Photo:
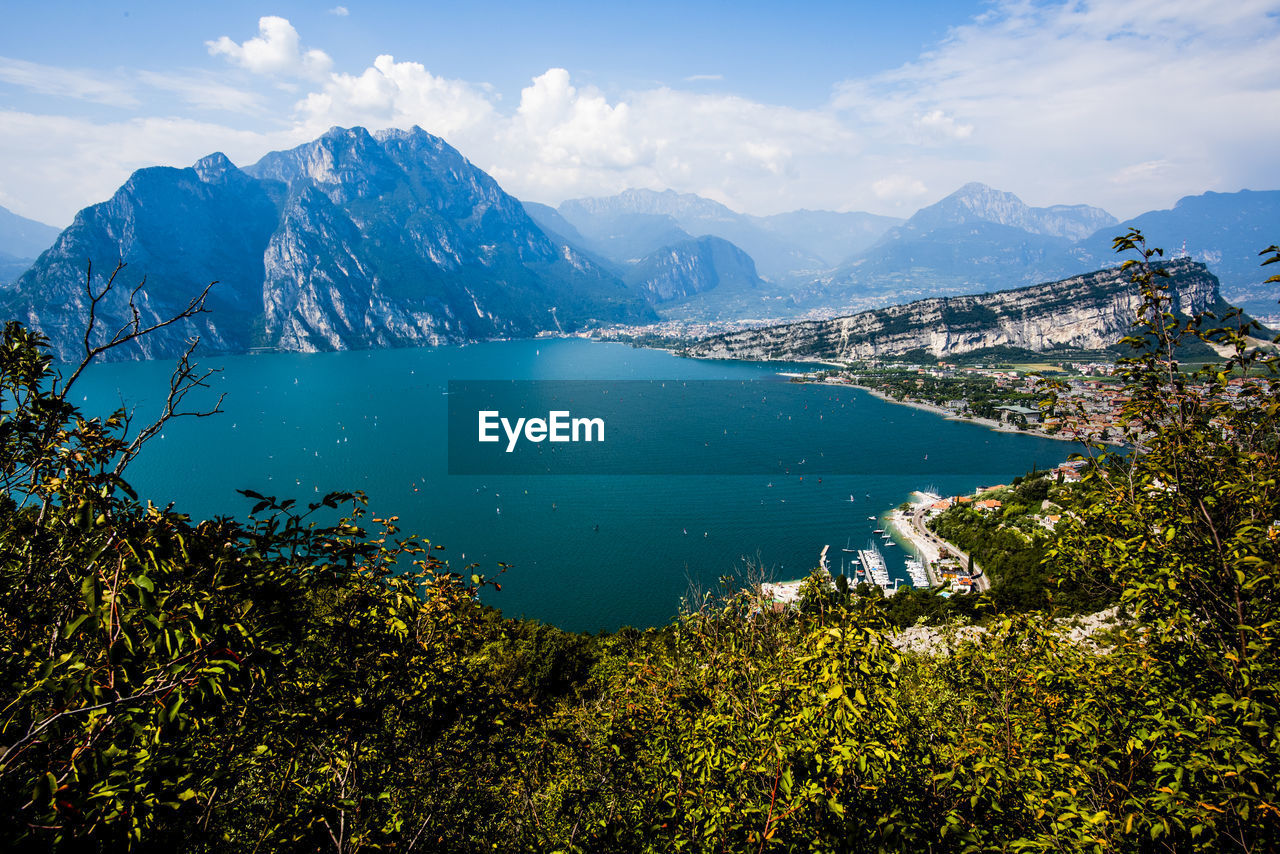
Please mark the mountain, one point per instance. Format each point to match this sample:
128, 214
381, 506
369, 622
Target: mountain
549, 220
182, 229
831, 237
769, 241
23, 238
11, 267
975, 238
625, 238
976, 202
352, 240
1092, 311
1224, 230
693, 266
705, 275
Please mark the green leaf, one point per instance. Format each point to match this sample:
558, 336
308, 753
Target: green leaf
89, 590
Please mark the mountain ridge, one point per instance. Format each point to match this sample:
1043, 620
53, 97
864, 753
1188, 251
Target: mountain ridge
1090, 311
348, 241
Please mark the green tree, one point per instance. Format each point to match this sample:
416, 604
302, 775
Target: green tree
1184, 530
167, 683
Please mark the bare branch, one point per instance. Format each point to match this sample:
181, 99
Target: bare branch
185, 378
133, 328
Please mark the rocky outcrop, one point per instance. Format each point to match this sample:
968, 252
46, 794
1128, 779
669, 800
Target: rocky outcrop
354, 240
1224, 230
1093, 311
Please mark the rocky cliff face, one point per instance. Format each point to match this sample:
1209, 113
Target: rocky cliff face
1092, 311
353, 240
180, 229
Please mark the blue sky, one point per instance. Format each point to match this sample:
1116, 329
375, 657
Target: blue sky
1126, 104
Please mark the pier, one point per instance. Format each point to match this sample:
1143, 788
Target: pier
876, 572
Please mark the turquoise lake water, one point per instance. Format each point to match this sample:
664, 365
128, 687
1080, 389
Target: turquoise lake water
586, 552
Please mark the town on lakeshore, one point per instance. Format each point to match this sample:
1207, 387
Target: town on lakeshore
937, 563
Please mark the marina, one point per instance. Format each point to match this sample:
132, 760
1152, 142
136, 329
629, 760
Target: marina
916, 572
876, 571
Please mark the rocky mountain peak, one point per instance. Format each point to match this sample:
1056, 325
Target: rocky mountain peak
976, 202
214, 167
349, 241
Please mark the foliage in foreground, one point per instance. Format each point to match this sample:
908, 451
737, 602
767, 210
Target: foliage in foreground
286, 684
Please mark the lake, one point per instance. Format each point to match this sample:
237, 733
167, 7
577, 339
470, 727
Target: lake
586, 551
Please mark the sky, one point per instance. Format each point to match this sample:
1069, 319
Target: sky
850, 106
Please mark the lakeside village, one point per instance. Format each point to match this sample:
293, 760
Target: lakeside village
1090, 402
1001, 397
936, 562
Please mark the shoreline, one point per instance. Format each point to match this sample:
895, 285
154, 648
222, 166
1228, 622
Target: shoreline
988, 423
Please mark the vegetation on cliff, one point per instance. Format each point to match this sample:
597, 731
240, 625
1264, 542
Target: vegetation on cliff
310, 679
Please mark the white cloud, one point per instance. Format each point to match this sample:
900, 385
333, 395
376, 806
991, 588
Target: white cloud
1128, 104
939, 124
1057, 102
109, 89
695, 78
205, 93
564, 128
899, 188
563, 140
276, 50
398, 94
340, 11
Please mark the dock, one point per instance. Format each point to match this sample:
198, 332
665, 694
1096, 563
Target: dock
877, 572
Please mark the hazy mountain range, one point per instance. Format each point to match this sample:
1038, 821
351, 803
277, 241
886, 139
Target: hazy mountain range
975, 240
21, 240
361, 240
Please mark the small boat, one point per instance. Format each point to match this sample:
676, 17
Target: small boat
852, 499
878, 531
